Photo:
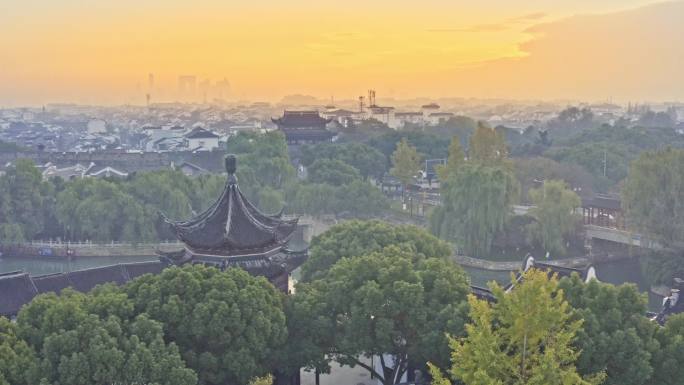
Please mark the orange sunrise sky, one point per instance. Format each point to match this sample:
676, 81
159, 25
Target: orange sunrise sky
101, 52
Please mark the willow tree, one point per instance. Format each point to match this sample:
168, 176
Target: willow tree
475, 207
554, 215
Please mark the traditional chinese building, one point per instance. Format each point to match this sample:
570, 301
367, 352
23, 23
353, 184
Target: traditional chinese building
304, 127
234, 233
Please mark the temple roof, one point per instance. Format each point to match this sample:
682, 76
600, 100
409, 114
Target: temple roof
301, 119
603, 202
16, 289
200, 133
233, 226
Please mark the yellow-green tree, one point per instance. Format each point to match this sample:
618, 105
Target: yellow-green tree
454, 161
405, 162
525, 337
487, 146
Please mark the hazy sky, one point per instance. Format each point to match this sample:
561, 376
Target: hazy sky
102, 52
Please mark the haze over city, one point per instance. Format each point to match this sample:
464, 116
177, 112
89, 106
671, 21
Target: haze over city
75, 51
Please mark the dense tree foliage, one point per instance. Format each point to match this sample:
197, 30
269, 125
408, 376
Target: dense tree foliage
652, 196
668, 368
25, 200
607, 162
429, 146
97, 339
531, 171
572, 120
105, 210
487, 146
367, 160
333, 172
386, 304
18, 365
615, 336
356, 238
555, 220
228, 325
460, 126
99, 210
263, 161
661, 266
357, 199
526, 337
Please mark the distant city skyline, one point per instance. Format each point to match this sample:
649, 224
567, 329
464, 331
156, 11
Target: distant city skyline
130, 52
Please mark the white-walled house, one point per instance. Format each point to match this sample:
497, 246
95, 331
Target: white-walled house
201, 139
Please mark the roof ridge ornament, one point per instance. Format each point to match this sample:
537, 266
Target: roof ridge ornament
231, 167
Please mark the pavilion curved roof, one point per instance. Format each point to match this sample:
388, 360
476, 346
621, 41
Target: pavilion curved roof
233, 226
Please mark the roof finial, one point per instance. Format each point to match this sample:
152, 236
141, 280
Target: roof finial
231, 166
231, 163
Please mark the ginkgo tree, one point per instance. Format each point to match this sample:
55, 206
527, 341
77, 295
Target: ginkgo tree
525, 337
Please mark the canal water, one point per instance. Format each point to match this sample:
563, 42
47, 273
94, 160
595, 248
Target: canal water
615, 272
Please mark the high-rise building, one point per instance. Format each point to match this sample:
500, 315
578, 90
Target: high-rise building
187, 84
223, 89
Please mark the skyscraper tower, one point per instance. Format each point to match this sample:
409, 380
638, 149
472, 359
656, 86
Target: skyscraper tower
186, 86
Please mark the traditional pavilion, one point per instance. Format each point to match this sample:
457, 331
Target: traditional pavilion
304, 127
234, 233
603, 210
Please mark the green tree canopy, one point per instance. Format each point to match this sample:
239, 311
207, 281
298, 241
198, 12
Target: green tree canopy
18, 365
99, 210
526, 337
367, 160
615, 337
357, 238
429, 145
96, 339
668, 368
383, 304
333, 172
555, 220
652, 196
597, 157
263, 160
359, 199
24, 201
228, 325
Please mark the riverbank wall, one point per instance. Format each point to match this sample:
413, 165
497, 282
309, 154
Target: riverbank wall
68, 250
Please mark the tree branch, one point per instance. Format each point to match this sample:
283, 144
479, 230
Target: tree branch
369, 368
